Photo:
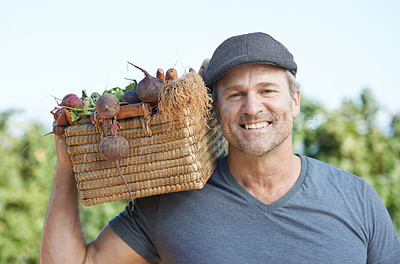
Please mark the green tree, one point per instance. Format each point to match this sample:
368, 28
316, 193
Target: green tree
25, 186
23, 178
350, 138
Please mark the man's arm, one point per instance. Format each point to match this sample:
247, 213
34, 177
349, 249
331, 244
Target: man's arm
62, 238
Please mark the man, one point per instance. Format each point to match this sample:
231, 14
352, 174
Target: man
263, 204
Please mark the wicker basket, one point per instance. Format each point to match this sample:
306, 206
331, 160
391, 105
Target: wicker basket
179, 155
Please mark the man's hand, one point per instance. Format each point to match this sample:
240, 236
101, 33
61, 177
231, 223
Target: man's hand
62, 239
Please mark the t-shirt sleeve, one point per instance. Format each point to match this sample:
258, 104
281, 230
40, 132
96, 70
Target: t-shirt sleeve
137, 227
384, 243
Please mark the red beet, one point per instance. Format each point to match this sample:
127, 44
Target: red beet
72, 100
107, 105
131, 97
113, 148
60, 117
148, 88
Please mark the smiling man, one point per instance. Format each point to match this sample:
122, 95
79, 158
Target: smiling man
255, 110
263, 203
314, 213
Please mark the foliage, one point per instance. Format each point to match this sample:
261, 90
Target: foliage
351, 139
348, 137
25, 186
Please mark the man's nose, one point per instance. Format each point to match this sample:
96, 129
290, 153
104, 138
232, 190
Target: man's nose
252, 104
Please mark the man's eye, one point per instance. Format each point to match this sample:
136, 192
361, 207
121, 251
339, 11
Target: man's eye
233, 95
267, 91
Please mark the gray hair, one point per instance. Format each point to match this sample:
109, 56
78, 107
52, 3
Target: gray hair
294, 86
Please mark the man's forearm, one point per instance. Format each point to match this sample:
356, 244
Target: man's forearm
62, 239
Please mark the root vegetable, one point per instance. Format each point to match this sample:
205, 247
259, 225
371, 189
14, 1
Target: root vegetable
188, 95
160, 74
71, 100
171, 75
60, 117
113, 148
107, 105
148, 89
131, 97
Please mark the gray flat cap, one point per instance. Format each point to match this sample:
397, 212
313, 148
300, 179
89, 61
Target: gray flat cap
249, 48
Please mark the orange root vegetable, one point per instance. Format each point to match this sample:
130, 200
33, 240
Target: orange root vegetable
107, 105
171, 75
113, 148
160, 74
148, 89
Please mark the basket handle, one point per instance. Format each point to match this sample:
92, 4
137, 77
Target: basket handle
126, 111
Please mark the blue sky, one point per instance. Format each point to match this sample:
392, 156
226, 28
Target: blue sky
51, 48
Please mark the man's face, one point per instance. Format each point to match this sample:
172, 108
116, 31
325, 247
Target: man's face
255, 109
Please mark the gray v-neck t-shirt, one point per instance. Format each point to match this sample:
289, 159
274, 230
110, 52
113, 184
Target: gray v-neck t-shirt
328, 216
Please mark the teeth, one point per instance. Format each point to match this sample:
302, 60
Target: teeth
256, 125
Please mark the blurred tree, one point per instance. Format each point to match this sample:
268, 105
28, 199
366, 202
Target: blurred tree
350, 138
25, 186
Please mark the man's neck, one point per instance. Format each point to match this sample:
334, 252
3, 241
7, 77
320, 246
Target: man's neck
268, 177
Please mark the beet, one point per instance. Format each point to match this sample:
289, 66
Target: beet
113, 148
131, 97
71, 100
107, 106
148, 88
60, 117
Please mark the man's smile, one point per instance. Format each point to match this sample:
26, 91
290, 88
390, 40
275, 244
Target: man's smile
255, 125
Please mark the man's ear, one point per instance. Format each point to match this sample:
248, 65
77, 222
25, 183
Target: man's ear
215, 106
296, 104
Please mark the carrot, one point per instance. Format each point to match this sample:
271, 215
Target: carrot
171, 75
160, 74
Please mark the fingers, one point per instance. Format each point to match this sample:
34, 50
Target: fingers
62, 151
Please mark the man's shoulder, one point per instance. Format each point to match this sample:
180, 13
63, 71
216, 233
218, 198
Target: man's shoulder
322, 166
339, 186
323, 171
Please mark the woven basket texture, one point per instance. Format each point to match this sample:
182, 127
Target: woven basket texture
180, 155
